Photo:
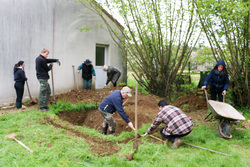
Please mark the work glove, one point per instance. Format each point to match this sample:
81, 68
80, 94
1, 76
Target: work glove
131, 125
58, 62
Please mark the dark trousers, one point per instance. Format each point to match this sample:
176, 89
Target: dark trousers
19, 86
172, 137
214, 93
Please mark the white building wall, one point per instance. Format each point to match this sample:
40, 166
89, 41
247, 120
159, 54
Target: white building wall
28, 26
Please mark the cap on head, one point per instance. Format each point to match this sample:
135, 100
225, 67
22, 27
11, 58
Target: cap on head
127, 90
87, 62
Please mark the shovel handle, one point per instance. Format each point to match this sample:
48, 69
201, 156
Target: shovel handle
22, 144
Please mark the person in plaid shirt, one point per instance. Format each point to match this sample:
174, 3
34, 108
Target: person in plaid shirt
177, 124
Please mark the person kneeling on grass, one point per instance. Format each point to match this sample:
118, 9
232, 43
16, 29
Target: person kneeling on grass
177, 124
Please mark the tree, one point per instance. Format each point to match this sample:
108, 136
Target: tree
203, 56
158, 38
226, 24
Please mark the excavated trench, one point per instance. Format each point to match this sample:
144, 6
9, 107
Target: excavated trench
93, 119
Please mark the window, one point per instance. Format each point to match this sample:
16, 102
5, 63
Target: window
100, 56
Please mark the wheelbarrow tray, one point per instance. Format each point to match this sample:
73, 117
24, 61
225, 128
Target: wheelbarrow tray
222, 110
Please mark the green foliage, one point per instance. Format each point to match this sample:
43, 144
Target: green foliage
85, 28
203, 56
131, 81
226, 25
66, 106
157, 38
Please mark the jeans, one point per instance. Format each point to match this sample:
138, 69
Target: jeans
87, 84
44, 93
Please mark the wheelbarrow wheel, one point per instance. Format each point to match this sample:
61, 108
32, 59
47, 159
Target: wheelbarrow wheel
225, 129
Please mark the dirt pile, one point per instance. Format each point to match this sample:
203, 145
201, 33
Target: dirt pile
191, 102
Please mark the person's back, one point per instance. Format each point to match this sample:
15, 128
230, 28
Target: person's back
113, 74
111, 104
177, 123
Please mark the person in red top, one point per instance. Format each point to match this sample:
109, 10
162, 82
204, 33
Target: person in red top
177, 124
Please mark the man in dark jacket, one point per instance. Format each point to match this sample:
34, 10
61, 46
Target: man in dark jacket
87, 72
113, 102
113, 74
42, 75
218, 81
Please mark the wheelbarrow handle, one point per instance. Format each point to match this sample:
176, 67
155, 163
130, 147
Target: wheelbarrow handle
206, 96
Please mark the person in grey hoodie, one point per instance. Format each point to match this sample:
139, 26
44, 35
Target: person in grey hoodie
218, 81
113, 74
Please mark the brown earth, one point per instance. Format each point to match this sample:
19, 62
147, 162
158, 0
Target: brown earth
191, 104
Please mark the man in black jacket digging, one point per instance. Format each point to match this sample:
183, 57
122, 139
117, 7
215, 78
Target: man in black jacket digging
42, 75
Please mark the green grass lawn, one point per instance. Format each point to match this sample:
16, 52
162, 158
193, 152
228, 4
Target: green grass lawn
58, 147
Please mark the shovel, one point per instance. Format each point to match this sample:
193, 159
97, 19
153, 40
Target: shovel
136, 141
53, 90
33, 101
12, 136
75, 84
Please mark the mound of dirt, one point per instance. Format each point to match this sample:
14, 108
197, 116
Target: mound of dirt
191, 102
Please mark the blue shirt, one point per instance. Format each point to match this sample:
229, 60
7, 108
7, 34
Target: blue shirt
113, 102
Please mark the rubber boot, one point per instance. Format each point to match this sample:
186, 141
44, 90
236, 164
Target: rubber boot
18, 105
104, 130
177, 143
111, 132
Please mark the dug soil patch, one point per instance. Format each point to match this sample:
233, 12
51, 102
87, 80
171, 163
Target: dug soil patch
93, 119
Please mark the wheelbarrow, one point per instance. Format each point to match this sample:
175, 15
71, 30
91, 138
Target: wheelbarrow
225, 114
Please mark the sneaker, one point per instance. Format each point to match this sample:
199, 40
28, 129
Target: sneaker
43, 110
177, 143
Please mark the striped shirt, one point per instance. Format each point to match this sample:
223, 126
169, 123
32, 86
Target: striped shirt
177, 123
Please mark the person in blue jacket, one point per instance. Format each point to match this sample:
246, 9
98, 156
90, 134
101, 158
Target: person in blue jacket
112, 103
19, 78
218, 81
87, 72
